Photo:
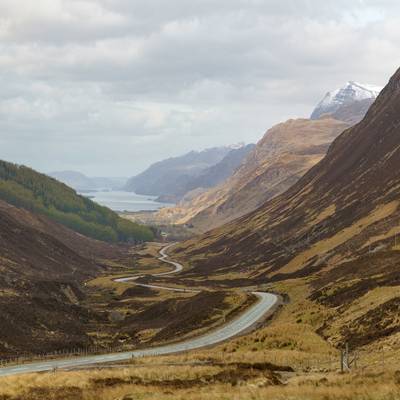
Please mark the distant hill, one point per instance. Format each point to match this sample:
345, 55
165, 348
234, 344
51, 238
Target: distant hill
172, 178
214, 175
280, 158
81, 182
23, 187
285, 153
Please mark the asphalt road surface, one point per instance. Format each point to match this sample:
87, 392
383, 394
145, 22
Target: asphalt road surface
240, 324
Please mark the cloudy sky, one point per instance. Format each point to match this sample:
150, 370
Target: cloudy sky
108, 86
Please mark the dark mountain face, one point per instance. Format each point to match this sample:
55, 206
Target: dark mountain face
171, 178
344, 205
43, 266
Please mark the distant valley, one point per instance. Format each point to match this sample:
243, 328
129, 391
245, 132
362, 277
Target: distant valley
217, 212
173, 178
25, 188
310, 214
285, 153
83, 183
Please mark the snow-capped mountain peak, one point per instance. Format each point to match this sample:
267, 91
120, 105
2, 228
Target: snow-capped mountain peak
349, 93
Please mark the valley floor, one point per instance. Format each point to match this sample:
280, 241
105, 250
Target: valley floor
140, 316
292, 356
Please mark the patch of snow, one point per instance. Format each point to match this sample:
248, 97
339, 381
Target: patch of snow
349, 93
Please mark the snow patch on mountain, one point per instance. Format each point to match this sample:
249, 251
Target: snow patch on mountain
351, 92
237, 146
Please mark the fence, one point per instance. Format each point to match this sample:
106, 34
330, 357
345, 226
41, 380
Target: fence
346, 360
23, 358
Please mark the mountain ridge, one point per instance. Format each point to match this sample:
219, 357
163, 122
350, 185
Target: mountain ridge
334, 233
351, 92
343, 169
280, 158
172, 178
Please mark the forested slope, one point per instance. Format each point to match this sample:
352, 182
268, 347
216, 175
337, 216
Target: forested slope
23, 187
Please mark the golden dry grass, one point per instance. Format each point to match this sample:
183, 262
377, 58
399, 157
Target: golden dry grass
327, 212
326, 245
288, 339
168, 382
361, 306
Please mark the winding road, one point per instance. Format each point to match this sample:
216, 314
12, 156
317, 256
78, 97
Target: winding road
239, 325
163, 258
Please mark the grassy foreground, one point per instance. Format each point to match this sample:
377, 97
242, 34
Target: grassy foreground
285, 359
185, 379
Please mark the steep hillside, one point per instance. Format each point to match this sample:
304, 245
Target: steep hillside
170, 178
280, 158
43, 266
344, 205
335, 231
26, 188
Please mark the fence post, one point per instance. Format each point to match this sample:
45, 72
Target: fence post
341, 361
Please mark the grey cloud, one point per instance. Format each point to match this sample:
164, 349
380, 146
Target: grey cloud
107, 86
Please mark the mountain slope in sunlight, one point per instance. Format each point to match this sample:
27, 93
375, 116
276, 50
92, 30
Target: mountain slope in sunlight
351, 196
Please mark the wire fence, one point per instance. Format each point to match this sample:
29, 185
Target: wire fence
344, 360
23, 358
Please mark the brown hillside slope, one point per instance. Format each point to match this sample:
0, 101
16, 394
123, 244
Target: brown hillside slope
285, 153
83, 245
43, 266
344, 207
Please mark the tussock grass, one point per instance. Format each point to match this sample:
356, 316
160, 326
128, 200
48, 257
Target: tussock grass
289, 339
163, 383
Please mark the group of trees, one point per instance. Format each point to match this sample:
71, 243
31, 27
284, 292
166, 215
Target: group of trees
26, 188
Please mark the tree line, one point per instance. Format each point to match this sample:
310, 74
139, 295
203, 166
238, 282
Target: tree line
25, 188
